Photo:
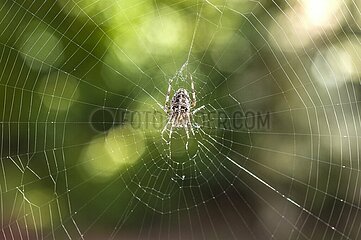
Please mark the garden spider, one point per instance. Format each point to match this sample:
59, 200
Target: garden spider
180, 111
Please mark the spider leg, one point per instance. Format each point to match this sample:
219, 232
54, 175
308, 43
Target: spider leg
198, 109
165, 129
194, 100
189, 124
186, 130
187, 133
167, 96
170, 133
192, 131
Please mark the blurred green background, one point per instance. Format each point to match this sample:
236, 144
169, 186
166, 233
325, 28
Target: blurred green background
72, 166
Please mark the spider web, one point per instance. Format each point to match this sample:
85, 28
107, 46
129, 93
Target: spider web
275, 151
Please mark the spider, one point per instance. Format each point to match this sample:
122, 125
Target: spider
180, 110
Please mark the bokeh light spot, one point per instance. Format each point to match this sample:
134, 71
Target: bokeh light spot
121, 147
41, 48
333, 66
58, 91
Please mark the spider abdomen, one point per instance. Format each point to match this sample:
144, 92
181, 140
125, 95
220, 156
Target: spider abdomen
181, 102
